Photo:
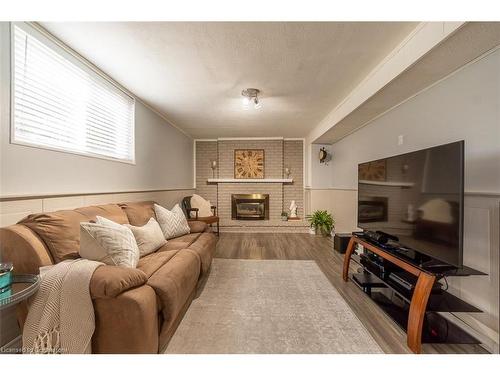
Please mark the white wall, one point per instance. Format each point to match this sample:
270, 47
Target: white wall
321, 173
466, 106
164, 155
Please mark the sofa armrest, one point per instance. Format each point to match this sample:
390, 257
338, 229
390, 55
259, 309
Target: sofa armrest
197, 226
110, 281
127, 323
21, 246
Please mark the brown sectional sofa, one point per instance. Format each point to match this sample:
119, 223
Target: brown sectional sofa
137, 310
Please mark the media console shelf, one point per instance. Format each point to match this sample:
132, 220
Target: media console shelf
422, 299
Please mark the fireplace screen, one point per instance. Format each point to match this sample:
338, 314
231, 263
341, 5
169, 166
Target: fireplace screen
250, 206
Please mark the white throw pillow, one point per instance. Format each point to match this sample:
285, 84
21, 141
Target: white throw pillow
149, 237
202, 205
109, 243
173, 223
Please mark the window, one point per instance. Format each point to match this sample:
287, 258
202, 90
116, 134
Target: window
59, 103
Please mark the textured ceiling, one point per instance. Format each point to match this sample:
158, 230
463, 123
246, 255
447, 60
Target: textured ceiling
469, 42
193, 73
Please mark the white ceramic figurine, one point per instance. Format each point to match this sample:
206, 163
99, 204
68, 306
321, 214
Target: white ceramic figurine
293, 209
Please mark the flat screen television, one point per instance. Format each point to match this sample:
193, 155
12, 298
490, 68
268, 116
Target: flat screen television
417, 197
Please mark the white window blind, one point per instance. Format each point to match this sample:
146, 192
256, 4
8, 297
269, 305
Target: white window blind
59, 103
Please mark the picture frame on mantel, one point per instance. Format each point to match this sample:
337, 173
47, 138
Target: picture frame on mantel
249, 163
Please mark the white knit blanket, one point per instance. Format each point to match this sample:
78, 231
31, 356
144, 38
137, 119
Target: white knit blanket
61, 315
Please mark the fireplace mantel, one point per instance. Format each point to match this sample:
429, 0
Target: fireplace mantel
249, 180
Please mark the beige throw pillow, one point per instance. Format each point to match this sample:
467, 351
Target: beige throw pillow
108, 242
149, 237
202, 205
173, 223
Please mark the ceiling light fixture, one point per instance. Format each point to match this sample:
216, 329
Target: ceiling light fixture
251, 96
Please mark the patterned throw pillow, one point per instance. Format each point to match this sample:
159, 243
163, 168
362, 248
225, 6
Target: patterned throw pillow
108, 242
149, 237
173, 223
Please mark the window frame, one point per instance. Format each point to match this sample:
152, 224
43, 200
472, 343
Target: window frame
67, 53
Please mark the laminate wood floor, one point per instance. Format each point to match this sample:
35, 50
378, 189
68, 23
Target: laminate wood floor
390, 337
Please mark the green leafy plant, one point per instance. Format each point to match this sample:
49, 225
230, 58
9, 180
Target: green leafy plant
322, 222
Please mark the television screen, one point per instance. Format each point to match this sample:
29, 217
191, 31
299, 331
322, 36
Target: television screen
417, 197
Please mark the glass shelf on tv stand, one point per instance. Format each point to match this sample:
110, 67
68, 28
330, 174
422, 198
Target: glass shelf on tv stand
431, 265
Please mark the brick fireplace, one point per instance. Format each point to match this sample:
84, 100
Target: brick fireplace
279, 154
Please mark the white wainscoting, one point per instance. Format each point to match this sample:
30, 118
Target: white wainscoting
341, 203
13, 210
481, 251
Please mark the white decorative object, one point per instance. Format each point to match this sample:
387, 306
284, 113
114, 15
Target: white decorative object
287, 172
293, 209
213, 165
149, 237
108, 242
203, 206
173, 223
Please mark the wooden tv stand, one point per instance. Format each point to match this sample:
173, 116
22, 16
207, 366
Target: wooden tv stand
422, 289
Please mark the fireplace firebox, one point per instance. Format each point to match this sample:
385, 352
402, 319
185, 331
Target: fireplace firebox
250, 206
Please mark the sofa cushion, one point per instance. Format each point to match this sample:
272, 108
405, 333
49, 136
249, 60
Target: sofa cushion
111, 212
173, 222
174, 282
196, 226
152, 262
204, 246
149, 237
59, 230
109, 281
138, 213
181, 242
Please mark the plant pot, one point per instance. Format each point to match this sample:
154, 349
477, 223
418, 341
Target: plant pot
312, 230
322, 232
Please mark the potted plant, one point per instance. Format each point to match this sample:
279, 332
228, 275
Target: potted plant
284, 216
322, 222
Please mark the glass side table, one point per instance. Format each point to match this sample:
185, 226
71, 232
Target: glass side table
22, 287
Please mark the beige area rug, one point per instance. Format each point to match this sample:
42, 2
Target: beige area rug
270, 306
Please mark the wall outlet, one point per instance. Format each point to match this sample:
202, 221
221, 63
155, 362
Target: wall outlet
401, 140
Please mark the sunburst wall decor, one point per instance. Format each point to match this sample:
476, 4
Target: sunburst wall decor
248, 164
